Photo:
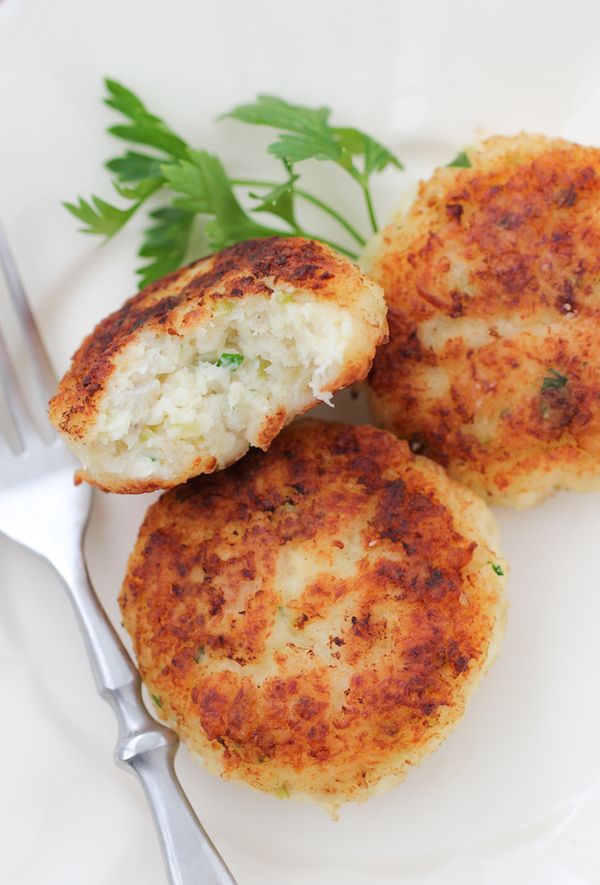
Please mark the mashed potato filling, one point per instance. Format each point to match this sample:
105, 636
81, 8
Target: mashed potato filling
175, 398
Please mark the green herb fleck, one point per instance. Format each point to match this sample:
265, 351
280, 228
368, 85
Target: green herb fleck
230, 361
282, 792
263, 365
554, 380
497, 568
157, 700
199, 653
461, 161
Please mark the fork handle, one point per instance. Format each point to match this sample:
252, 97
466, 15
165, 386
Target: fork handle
179, 830
146, 748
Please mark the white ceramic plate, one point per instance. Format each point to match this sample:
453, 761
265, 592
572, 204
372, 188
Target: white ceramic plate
513, 795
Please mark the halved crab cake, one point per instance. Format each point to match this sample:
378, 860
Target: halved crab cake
313, 620
215, 358
492, 280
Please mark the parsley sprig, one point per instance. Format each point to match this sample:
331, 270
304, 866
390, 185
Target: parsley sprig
195, 185
306, 134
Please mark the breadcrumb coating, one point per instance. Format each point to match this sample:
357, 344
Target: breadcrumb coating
313, 620
492, 280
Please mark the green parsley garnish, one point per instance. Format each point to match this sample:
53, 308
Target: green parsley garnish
157, 700
554, 380
497, 568
461, 160
194, 183
282, 792
305, 134
230, 360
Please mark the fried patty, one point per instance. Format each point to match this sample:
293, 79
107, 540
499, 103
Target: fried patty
313, 620
492, 280
215, 358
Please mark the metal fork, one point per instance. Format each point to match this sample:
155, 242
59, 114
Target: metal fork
42, 509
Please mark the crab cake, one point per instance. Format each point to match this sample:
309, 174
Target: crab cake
313, 620
215, 358
493, 286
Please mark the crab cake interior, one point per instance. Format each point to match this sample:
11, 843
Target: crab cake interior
492, 283
214, 359
313, 620
255, 359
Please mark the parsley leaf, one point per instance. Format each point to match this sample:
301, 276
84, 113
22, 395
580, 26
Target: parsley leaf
157, 700
230, 360
105, 219
165, 241
143, 170
144, 128
279, 201
135, 167
313, 138
554, 380
497, 569
99, 216
197, 184
461, 161
207, 191
376, 156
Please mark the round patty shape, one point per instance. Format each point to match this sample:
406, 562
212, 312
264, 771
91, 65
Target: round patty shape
313, 620
215, 358
492, 280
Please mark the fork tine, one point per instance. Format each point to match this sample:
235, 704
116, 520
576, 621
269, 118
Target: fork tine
45, 374
14, 399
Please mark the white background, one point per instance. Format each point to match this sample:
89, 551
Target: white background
512, 797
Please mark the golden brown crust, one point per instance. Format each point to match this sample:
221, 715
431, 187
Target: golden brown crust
313, 618
492, 283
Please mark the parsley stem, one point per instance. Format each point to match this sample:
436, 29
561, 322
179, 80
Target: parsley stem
370, 209
309, 198
253, 182
328, 209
